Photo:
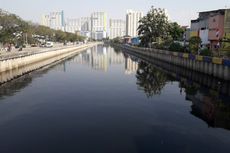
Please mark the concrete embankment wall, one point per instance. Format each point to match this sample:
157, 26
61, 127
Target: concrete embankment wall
14, 67
185, 75
212, 66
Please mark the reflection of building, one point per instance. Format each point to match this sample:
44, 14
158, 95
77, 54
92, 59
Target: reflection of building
213, 110
100, 58
116, 28
130, 66
132, 22
115, 58
54, 20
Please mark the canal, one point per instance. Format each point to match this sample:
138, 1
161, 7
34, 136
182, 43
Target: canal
105, 100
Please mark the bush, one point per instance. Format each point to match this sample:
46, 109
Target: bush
194, 43
205, 52
227, 54
177, 47
158, 46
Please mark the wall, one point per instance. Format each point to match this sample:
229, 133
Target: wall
216, 23
23, 64
216, 67
204, 36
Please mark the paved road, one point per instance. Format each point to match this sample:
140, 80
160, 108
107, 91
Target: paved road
29, 50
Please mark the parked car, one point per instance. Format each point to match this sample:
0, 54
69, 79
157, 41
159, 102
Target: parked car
49, 44
42, 45
33, 45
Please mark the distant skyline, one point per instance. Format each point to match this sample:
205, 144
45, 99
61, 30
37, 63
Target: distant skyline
181, 11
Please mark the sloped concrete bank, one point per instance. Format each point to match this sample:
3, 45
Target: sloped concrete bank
213, 66
184, 75
12, 68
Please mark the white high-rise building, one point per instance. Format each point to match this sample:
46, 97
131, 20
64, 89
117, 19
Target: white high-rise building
99, 25
45, 20
132, 22
116, 28
54, 20
73, 25
85, 24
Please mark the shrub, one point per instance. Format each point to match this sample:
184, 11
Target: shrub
158, 46
227, 53
194, 43
205, 52
177, 47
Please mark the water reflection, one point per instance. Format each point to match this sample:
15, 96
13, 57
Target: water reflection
209, 105
20, 82
138, 105
100, 58
130, 65
150, 79
210, 101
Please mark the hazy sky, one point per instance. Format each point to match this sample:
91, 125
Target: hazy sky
181, 11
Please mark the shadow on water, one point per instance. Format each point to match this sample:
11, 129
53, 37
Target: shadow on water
209, 96
14, 80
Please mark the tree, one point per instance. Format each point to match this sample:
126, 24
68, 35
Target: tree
13, 26
175, 31
153, 26
194, 43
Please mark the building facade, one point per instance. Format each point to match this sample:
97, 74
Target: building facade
73, 25
54, 20
45, 21
117, 28
132, 22
226, 39
85, 24
98, 25
213, 28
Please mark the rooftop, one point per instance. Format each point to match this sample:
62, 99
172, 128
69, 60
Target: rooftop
219, 10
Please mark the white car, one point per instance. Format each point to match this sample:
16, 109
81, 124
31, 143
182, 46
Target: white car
49, 44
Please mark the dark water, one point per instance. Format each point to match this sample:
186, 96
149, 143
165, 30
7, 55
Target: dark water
106, 101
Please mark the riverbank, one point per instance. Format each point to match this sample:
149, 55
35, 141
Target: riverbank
213, 66
22, 63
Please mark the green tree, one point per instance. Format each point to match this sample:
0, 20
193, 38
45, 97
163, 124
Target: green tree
153, 26
13, 26
194, 43
175, 31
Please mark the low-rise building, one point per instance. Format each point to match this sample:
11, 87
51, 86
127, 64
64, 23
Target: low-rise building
213, 28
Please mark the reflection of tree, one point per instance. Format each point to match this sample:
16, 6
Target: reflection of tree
191, 89
150, 79
117, 50
10, 88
